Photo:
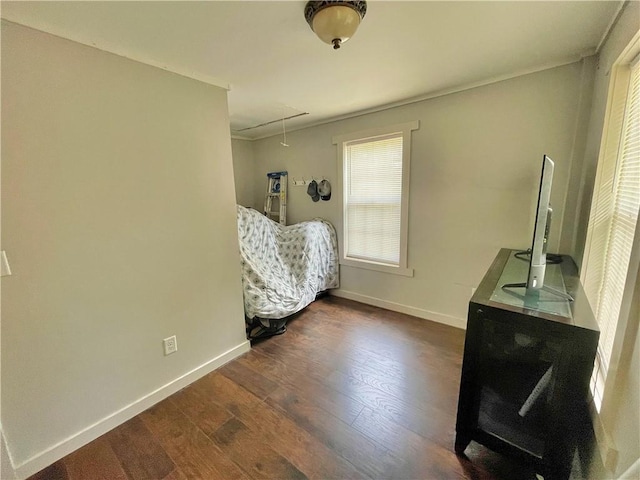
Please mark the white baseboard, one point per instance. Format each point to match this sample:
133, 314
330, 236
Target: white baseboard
605, 444
633, 472
398, 307
72, 443
6, 464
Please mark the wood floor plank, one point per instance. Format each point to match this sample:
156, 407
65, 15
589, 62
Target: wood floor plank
403, 359
423, 416
176, 475
201, 408
95, 461
140, 454
381, 342
253, 453
225, 392
55, 471
294, 442
365, 454
288, 374
428, 342
421, 457
318, 357
193, 452
406, 365
251, 380
428, 421
411, 387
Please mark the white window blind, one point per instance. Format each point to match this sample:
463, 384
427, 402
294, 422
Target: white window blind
373, 195
613, 223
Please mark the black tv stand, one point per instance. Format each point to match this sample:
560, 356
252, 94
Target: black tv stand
526, 367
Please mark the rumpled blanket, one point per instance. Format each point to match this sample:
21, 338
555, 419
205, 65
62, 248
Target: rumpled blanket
283, 268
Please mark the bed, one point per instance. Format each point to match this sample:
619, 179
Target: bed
284, 268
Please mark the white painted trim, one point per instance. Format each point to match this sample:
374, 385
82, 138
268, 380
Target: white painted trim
240, 137
406, 127
7, 471
90, 433
377, 267
603, 421
612, 23
604, 442
633, 472
399, 307
363, 136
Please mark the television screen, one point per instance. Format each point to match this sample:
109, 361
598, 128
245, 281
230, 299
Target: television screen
537, 255
538, 261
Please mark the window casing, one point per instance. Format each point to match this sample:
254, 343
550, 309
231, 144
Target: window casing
374, 184
613, 252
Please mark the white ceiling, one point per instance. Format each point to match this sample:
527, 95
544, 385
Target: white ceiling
275, 66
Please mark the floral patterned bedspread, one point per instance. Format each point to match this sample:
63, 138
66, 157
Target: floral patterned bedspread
283, 268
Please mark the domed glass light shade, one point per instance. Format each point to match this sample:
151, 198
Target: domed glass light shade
335, 22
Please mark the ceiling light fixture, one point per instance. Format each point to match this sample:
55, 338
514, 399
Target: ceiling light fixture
335, 21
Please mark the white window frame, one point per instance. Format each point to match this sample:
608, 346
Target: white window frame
604, 387
340, 141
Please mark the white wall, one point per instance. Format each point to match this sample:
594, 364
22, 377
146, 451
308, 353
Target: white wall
475, 169
244, 173
121, 231
624, 414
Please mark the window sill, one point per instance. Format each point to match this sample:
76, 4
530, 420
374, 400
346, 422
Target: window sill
377, 267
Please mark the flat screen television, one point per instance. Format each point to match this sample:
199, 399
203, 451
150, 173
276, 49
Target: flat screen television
541, 227
537, 255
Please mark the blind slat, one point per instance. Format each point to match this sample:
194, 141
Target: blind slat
373, 194
613, 225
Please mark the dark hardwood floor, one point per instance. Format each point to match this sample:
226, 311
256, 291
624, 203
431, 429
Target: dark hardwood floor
349, 391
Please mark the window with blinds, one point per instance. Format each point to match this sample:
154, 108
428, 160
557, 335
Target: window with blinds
613, 226
372, 199
374, 167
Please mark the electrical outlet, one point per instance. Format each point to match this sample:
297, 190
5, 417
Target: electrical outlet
170, 345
